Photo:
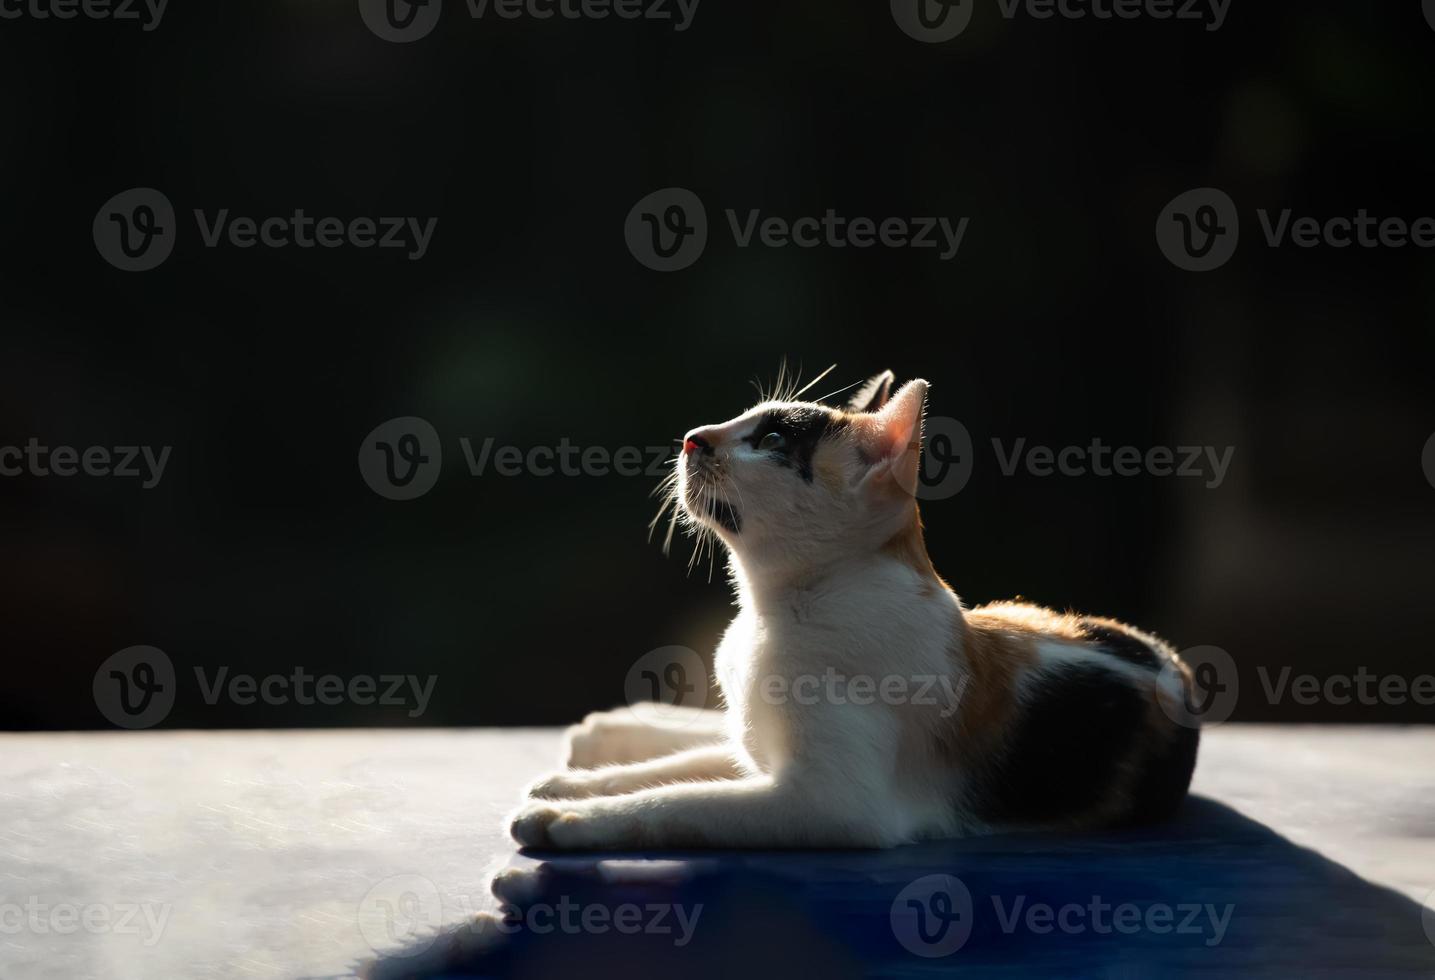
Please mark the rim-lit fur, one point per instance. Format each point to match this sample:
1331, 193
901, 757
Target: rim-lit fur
1029, 718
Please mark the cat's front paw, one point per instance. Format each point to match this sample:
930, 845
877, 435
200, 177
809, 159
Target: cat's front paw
602, 738
567, 828
530, 824
564, 786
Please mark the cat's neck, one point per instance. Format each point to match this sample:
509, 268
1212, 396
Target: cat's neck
889, 573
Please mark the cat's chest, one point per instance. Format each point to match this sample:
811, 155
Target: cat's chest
769, 670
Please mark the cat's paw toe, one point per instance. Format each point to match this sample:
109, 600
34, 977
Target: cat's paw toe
558, 786
518, 886
530, 824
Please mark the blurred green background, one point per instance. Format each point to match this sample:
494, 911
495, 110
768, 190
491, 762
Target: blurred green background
528, 321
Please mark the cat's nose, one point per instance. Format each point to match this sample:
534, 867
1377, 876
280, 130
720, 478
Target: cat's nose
698, 441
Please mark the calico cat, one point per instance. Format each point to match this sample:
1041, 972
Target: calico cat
1034, 720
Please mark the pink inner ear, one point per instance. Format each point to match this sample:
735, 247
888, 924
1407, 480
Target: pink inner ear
899, 423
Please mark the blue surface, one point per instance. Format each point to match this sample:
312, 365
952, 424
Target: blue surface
1292, 912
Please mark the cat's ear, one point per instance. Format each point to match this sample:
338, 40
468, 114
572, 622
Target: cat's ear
894, 437
872, 395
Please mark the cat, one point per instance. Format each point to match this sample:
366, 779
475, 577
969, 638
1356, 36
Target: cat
1033, 719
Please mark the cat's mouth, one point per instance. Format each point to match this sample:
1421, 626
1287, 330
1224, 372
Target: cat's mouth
705, 502
724, 515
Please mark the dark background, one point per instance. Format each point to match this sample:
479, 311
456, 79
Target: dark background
529, 321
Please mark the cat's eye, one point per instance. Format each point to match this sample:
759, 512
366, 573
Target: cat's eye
771, 442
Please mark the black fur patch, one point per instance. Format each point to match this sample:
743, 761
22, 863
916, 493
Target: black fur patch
1122, 644
801, 429
1064, 755
725, 514
1165, 777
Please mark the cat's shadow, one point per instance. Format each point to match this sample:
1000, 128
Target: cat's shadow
1212, 893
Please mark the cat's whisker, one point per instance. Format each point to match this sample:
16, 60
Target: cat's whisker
833, 394
807, 387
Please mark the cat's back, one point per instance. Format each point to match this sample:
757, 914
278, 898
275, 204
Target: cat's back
1069, 720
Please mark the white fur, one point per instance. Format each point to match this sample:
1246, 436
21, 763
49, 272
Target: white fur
819, 596
816, 596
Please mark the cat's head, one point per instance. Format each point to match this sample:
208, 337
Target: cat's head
789, 483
